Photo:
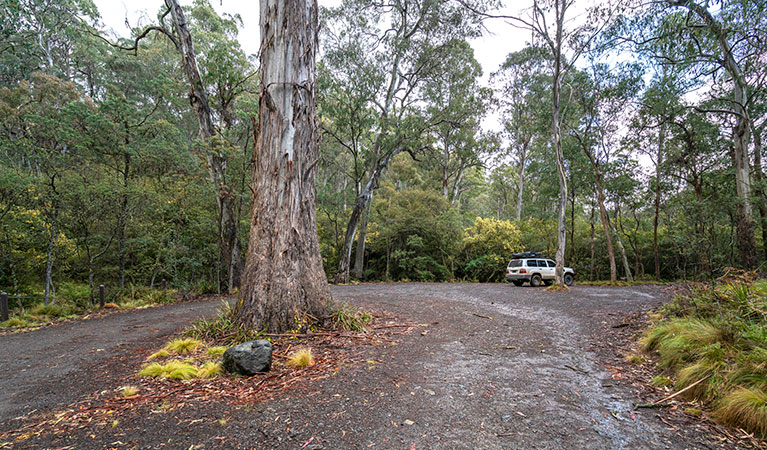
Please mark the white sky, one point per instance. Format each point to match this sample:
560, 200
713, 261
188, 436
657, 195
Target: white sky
490, 50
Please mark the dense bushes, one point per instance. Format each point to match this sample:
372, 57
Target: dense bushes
487, 247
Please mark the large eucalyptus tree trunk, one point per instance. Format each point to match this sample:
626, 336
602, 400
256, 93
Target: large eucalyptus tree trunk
228, 240
284, 278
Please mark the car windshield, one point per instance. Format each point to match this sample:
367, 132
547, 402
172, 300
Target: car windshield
515, 263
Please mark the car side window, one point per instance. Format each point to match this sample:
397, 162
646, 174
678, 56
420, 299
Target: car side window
551, 263
541, 263
532, 263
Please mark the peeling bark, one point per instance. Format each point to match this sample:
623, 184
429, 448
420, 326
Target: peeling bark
284, 278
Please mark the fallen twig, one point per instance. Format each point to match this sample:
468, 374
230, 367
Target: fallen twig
484, 317
662, 402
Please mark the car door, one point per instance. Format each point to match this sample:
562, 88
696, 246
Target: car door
547, 273
552, 268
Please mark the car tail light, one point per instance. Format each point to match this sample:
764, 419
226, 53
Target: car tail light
522, 271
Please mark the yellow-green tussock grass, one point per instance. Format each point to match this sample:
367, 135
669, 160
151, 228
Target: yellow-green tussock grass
301, 358
635, 359
746, 408
216, 351
210, 370
152, 370
697, 412
706, 390
159, 354
14, 322
681, 340
128, 391
183, 346
179, 370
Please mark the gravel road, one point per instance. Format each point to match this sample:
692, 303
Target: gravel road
505, 367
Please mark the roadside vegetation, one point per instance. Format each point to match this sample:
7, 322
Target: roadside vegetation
713, 341
74, 300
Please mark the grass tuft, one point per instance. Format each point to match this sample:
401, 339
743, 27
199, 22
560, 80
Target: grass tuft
216, 351
179, 370
346, 317
128, 391
182, 346
744, 408
223, 329
152, 370
636, 359
210, 370
159, 354
301, 358
14, 322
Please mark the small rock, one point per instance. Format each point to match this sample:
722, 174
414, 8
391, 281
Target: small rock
408, 422
249, 358
429, 391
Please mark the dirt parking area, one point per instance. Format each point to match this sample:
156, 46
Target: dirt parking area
497, 367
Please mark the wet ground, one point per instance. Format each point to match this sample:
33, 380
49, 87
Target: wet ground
505, 367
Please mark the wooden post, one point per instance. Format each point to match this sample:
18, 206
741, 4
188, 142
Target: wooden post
3, 306
101, 295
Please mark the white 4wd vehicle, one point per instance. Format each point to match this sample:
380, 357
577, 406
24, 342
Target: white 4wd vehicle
535, 269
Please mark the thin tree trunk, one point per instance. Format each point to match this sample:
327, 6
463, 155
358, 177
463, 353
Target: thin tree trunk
591, 245
284, 279
521, 182
228, 239
574, 257
603, 213
761, 201
359, 256
363, 200
560, 9
123, 215
659, 159
51, 254
622, 249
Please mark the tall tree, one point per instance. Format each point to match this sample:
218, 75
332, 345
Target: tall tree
213, 145
284, 278
387, 52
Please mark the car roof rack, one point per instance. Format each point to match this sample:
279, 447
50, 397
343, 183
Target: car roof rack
527, 255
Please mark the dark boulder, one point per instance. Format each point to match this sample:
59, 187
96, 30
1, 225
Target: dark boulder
249, 358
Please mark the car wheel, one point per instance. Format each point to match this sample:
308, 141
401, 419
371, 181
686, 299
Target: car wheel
568, 279
535, 280
518, 282
547, 282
